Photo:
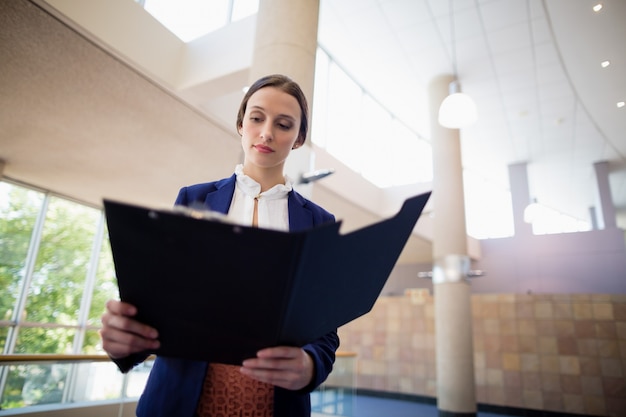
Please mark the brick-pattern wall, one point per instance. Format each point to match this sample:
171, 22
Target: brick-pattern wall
553, 352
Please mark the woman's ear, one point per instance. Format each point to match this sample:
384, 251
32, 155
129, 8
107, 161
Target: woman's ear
299, 142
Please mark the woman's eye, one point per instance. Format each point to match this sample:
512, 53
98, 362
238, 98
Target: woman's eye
284, 126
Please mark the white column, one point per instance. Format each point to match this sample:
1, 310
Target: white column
453, 311
286, 43
520, 198
606, 216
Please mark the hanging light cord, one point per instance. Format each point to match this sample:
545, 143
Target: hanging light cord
452, 38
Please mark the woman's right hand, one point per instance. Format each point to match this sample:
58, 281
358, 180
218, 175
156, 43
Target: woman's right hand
122, 335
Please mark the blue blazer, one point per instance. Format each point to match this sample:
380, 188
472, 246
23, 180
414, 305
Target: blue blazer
174, 385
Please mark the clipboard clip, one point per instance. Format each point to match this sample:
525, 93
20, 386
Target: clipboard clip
200, 211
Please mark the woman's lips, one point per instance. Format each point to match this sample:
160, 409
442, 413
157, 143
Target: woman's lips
263, 149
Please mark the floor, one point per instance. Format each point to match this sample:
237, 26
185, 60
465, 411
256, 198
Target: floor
332, 404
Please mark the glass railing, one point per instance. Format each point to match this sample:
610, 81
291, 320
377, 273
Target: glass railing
337, 396
44, 382
53, 383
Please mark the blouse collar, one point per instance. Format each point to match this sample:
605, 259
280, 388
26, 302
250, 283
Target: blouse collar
253, 189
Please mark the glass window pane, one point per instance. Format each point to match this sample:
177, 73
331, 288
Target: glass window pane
19, 208
546, 220
92, 344
4, 331
44, 340
97, 381
189, 19
137, 379
318, 128
351, 125
61, 268
480, 193
374, 144
344, 107
105, 287
34, 384
244, 8
412, 154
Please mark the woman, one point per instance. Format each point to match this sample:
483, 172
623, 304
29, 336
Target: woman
272, 120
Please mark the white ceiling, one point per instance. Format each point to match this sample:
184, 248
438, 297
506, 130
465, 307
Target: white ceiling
83, 119
533, 68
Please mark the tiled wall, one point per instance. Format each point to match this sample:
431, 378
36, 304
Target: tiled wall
561, 352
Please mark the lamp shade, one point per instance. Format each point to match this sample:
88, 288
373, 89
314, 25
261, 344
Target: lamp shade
532, 212
458, 110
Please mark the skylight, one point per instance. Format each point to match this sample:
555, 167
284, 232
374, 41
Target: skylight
191, 19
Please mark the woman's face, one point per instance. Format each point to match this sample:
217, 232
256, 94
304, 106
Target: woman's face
269, 128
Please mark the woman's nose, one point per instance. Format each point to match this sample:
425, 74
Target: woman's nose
266, 132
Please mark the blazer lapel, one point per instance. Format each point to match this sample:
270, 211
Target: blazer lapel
220, 199
300, 217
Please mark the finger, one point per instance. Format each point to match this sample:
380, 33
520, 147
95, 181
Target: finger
120, 307
120, 344
281, 378
271, 364
283, 366
284, 358
279, 352
133, 342
270, 376
129, 325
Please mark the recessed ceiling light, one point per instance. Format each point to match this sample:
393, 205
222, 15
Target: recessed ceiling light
605, 64
620, 104
597, 7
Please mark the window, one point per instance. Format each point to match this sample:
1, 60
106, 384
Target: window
352, 126
19, 215
488, 207
57, 269
190, 19
546, 220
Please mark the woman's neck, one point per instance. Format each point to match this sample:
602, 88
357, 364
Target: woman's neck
266, 177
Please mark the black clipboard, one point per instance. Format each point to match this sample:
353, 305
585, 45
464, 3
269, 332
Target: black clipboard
220, 292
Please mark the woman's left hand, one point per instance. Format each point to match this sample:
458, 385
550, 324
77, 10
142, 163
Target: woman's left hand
286, 367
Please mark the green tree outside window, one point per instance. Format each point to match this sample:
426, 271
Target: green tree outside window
51, 318
19, 209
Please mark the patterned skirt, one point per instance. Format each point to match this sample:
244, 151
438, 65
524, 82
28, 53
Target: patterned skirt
228, 393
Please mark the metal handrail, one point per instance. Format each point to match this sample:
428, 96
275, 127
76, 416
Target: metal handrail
27, 358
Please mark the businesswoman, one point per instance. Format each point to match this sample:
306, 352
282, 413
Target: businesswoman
272, 121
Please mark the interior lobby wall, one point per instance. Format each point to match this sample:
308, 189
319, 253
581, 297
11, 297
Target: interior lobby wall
553, 352
591, 262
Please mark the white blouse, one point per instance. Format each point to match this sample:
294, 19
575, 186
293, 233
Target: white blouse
272, 204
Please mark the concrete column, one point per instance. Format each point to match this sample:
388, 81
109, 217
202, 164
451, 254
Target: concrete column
453, 312
594, 218
286, 43
448, 196
520, 198
606, 216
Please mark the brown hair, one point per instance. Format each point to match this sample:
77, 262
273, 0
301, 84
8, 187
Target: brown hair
287, 85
